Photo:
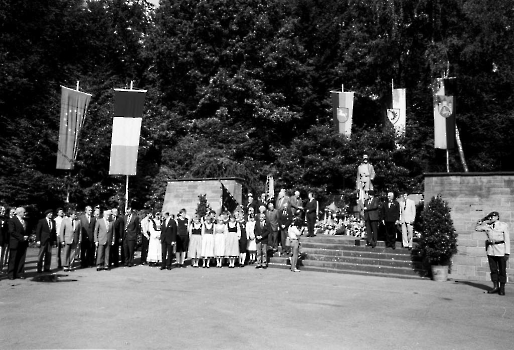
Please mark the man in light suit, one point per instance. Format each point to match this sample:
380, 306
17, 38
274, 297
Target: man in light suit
498, 249
168, 240
104, 229
132, 228
70, 234
87, 248
19, 236
407, 217
281, 199
45, 236
372, 213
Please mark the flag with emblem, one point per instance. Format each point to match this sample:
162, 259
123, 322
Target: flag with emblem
342, 108
399, 111
444, 116
73, 113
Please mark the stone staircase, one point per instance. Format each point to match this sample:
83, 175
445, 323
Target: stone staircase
346, 254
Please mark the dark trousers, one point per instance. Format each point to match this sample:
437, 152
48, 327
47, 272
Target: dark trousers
262, 252
114, 258
273, 239
58, 255
144, 249
128, 247
311, 220
17, 260
390, 227
102, 255
283, 237
167, 254
87, 253
45, 252
498, 267
372, 232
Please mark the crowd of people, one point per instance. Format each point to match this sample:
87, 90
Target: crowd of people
107, 239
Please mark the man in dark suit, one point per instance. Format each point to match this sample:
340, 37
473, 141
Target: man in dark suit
45, 236
391, 218
87, 249
132, 228
371, 218
285, 218
252, 203
118, 228
168, 240
19, 236
311, 212
4, 236
262, 231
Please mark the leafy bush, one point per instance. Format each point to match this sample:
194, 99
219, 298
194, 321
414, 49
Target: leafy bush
438, 241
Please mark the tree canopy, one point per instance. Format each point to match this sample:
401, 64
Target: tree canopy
241, 88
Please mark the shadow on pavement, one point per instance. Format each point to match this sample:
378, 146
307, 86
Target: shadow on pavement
52, 278
476, 285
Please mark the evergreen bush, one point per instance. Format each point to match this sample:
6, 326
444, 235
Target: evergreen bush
438, 241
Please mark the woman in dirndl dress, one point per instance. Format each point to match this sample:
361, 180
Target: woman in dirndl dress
232, 241
154, 245
195, 241
207, 241
252, 243
220, 233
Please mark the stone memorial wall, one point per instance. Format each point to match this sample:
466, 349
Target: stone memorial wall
471, 196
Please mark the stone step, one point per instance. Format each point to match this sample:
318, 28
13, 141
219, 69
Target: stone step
363, 267
335, 246
365, 261
347, 271
362, 253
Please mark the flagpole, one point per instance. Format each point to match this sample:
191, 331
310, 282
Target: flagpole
127, 178
447, 160
69, 173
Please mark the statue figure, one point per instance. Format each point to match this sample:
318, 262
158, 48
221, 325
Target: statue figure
365, 176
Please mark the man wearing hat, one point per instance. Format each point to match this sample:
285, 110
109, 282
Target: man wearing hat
371, 218
498, 249
252, 203
365, 176
45, 236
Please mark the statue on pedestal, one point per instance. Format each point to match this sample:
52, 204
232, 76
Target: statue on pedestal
365, 177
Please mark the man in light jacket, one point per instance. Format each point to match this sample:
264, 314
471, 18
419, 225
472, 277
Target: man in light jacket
407, 217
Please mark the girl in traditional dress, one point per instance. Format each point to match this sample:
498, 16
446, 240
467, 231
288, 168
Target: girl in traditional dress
195, 240
243, 238
154, 245
252, 245
220, 231
207, 241
232, 241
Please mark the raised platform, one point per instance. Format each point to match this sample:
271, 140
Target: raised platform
346, 254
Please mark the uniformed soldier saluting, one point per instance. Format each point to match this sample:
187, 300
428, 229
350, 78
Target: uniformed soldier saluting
498, 249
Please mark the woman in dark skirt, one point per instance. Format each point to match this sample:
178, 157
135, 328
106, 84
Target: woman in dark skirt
243, 239
182, 237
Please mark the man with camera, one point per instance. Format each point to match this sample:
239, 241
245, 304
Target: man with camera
498, 249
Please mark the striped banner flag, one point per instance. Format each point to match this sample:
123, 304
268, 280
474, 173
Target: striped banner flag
73, 113
124, 145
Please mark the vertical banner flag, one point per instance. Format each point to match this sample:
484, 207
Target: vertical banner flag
444, 115
124, 145
397, 114
126, 129
342, 107
73, 112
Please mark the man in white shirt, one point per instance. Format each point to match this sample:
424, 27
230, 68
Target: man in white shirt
407, 217
60, 242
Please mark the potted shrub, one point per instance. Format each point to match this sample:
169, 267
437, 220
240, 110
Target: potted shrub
438, 241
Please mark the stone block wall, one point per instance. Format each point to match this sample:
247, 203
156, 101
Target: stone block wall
471, 196
184, 193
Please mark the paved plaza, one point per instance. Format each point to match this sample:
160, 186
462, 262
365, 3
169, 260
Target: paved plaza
246, 308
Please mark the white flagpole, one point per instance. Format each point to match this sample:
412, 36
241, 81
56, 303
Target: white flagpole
127, 179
